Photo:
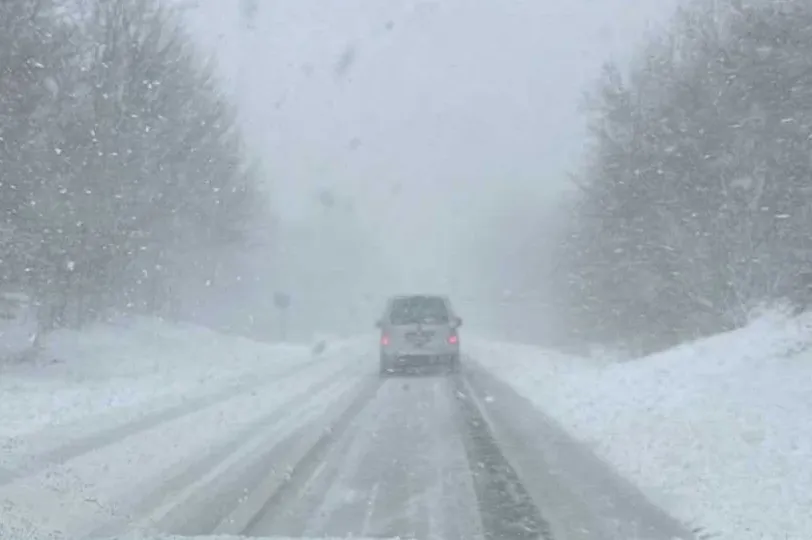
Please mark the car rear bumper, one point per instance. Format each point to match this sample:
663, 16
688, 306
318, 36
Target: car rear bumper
409, 358
421, 359
435, 349
405, 349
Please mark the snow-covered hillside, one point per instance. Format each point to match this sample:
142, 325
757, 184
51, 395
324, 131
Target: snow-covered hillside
717, 431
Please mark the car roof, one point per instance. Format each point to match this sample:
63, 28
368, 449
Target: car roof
418, 295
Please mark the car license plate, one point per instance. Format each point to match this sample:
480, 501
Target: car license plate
419, 338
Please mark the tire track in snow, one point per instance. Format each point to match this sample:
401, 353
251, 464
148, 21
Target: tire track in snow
581, 497
399, 468
314, 458
101, 439
506, 508
273, 428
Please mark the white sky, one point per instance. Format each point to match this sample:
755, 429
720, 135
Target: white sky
455, 105
458, 95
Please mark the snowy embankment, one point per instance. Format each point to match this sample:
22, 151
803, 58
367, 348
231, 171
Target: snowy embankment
104, 428
717, 432
136, 364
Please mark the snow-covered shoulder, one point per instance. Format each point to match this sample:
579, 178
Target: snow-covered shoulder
716, 431
129, 364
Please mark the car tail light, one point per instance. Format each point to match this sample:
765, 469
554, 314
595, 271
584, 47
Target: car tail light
384, 340
453, 339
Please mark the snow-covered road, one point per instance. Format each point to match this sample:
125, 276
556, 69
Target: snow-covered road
454, 457
278, 441
398, 469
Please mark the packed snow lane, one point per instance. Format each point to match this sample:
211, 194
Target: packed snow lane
456, 457
402, 468
84, 443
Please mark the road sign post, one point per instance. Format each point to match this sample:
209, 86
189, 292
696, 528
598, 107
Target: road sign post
282, 302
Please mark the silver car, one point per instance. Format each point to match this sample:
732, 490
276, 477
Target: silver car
418, 331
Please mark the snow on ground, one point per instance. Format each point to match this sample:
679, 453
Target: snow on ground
104, 417
131, 364
717, 432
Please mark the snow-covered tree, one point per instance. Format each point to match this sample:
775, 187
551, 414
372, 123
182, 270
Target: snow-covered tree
121, 167
696, 202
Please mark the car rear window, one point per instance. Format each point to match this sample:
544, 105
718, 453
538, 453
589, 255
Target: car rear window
418, 309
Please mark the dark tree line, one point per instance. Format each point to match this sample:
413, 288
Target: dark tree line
122, 173
695, 204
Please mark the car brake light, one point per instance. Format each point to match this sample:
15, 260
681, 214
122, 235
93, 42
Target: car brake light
384, 340
453, 339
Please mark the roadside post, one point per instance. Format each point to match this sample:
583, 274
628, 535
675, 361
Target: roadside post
282, 302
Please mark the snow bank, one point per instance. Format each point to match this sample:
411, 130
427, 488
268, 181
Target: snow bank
718, 432
136, 363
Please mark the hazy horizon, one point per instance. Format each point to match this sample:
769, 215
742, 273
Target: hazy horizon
424, 120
